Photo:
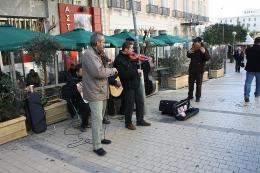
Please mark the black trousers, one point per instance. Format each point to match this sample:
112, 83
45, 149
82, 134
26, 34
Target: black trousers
131, 97
238, 63
82, 108
195, 77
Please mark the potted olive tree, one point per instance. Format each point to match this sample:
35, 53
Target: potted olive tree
178, 67
43, 50
12, 121
216, 62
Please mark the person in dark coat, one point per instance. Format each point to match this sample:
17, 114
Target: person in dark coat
129, 75
252, 69
33, 78
72, 93
239, 58
198, 55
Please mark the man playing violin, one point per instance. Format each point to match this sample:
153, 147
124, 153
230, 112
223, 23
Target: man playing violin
129, 74
199, 55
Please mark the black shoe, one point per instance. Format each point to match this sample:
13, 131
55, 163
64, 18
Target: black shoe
106, 121
100, 152
83, 129
190, 97
257, 95
106, 141
197, 99
246, 99
144, 123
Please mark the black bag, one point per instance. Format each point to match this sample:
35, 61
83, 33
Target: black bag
242, 64
166, 106
180, 110
35, 113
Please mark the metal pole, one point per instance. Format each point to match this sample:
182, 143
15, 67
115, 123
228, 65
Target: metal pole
135, 27
13, 68
56, 69
223, 32
225, 60
138, 53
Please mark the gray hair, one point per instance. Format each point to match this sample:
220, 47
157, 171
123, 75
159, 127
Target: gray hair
95, 37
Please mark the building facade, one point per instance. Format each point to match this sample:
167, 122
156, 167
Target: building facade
178, 17
250, 19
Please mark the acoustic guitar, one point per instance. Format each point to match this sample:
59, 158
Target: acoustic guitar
115, 91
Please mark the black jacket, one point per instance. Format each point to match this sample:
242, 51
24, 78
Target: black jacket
198, 61
127, 71
70, 91
239, 56
253, 59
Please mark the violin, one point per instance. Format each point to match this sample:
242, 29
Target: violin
134, 57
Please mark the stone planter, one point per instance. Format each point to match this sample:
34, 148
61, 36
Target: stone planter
178, 82
56, 112
12, 129
205, 76
217, 73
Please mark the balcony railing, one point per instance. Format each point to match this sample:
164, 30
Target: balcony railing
164, 11
177, 14
152, 9
187, 16
116, 4
137, 5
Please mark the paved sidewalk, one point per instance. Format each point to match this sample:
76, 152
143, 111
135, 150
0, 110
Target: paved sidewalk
223, 137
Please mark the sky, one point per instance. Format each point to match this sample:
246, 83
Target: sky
230, 8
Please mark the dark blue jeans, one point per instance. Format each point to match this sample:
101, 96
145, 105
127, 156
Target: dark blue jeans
249, 78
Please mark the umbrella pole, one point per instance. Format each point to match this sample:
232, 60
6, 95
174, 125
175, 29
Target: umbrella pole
13, 68
23, 68
138, 53
56, 69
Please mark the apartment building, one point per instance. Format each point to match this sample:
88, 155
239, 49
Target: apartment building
178, 17
250, 19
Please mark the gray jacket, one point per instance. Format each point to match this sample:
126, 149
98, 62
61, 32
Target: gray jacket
95, 76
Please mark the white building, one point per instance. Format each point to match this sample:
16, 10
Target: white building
250, 19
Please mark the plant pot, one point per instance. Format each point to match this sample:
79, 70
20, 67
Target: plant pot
56, 112
178, 82
205, 76
217, 73
12, 129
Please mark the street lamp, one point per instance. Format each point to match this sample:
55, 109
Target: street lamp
234, 33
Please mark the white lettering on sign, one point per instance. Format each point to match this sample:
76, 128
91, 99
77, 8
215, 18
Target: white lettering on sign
68, 26
67, 9
67, 17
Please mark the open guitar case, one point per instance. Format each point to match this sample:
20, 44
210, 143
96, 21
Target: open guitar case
181, 110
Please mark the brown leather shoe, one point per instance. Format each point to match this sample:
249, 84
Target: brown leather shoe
130, 126
144, 123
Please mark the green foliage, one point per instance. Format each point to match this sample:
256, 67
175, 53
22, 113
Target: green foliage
218, 54
214, 34
176, 61
43, 49
11, 104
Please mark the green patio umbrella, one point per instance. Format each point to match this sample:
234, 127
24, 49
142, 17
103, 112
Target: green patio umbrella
153, 41
12, 38
82, 38
124, 35
169, 39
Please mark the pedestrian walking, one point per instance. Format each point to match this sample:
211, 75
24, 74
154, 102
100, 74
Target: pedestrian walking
252, 69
